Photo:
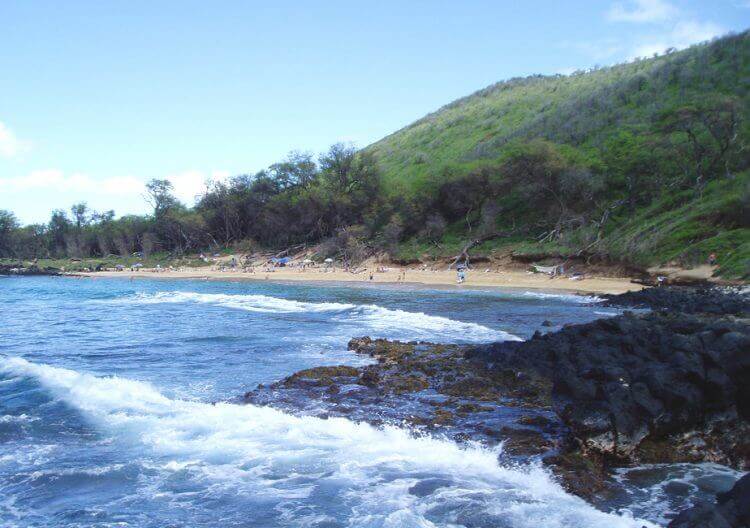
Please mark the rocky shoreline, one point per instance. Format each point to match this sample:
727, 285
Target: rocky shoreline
24, 271
669, 385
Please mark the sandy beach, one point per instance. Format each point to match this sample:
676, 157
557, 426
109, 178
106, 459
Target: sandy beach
474, 279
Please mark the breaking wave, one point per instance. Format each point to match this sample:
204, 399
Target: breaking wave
375, 477
567, 297
412, 325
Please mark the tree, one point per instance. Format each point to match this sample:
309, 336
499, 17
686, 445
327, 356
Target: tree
557, 192
392, 233
337, 165
159, 194
634, 167
148, 241
298, 169
31, 241
80, 215
8, 226
57, 230
461, 198
434, 228
221, 207
703, 132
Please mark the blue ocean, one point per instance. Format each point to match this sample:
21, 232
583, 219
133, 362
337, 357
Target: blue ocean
116, 410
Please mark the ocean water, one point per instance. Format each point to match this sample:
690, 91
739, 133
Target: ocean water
113, 411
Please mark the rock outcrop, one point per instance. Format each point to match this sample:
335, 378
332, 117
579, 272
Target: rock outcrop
21, 270
651, 388
731, 510
661, 386
429, 388
685, 299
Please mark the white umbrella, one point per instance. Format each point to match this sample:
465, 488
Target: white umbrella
328, 260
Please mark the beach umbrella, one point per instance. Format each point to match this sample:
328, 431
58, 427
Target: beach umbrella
137, 265
307, 261
328, 260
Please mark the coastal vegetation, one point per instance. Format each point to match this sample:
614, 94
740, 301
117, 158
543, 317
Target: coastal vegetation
644, 163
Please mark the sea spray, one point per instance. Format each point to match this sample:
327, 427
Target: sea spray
378, 476
414, 325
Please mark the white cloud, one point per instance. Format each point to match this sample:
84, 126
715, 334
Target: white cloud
642, 11
10, 145
683, 34
57, 180
566, 71
190, 184
669, 27
187, 184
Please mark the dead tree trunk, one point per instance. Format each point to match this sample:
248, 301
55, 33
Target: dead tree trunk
475, 242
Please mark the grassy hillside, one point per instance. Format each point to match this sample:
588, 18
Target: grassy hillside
643, 124
645, 163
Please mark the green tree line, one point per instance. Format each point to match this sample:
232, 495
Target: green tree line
641, 163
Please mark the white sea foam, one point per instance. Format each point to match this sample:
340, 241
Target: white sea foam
649, 484
266, 453
411, 325
422, 325
567, 297
17, 418
251, 303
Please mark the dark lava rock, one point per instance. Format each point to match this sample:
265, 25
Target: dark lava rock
731, 510
652, 388
430, 388
32, 270
708, 300
636, 388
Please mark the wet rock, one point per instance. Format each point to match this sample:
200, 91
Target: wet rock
21, 269
322, 376
708, 300
522, 441
427, 487
585, 476
430, 387
655, 387
731, 510
618, 382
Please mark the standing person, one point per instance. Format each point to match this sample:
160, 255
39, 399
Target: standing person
461, 274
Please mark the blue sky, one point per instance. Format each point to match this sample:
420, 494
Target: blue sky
98, 97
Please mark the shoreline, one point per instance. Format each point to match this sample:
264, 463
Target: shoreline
555, 400
505, 280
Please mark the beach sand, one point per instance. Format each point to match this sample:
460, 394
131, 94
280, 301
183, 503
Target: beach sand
474, 279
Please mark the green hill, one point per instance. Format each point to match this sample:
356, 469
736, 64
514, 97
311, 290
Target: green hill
641, 164
659, 146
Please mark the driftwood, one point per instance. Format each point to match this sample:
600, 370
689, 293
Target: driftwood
289, 250
475, 242
583, 252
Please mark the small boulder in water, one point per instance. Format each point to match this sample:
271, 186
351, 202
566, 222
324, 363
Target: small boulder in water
731, 510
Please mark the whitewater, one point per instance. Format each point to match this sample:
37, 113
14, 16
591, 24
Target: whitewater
266, 456
116, 409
